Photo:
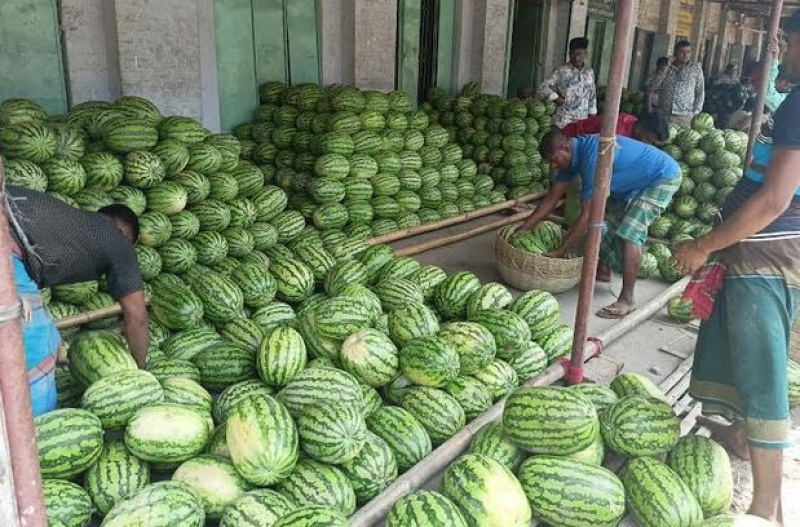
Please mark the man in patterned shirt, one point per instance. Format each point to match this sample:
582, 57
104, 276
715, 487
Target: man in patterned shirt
56, 244
571, 87
682, 90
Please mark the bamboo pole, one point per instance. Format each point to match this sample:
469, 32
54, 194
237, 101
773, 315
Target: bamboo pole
8, 504
761, 96
14, 390
374, 511
602, 184
454, 220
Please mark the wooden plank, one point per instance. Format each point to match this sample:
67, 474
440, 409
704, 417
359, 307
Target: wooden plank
301, 31
408, 60
30, 56
445, 48
238, 91
269, 34
9, 516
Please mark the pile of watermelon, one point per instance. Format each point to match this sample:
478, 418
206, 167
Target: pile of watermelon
632, 102
501, 136
270, 337
545, 459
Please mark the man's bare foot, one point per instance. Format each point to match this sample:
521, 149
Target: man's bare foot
618, 309
734, 436
604, 274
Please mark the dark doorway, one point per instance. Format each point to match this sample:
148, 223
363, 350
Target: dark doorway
525, 66
428, 46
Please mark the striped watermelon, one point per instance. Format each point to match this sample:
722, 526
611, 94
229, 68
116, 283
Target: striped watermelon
429, 361
166, 433
223, 365
427, 278
452, 294
657, 496
64, 176
173, 154
243, 332
499, 377
372, 470
116, 474
131, 197
600, 396
116, 397
104, 170
256, 283
405, 436
363, 294
22, 173
370, 356
183, 129
138, 108
18, 110
98, 354
705, 468
31, 141
176, 307
316, 386
189, 393
411, 322
66, 503
313, 517
571, 493
511, 332
345, 273
188, 343
490, 296
316, 484
550, 420
68, 442
339, 317
631, 383
331, 432
474, 344
281, 356
273, 315
294, 279
473, 396
557, 343
215, 480
438, 411
236, 393
164, 368
486, 492
639, 426
539, 309
491, 441
256, 508
222, 186
222, 299
143, 169
425, 508
370, 400
162, 504
396, 293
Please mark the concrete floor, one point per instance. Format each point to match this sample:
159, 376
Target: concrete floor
654, 348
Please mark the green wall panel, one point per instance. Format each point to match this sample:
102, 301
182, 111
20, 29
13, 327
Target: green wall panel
238, 90
408, 59
301, 27
446, 43
30, 53
269, 29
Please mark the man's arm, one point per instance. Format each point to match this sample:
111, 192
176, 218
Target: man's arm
699, 91
137, 331
546, 90
767, 204
546, 207
577, 231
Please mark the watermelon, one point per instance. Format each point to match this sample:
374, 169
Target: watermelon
452, 294
94, 355
425, 508
438, 411
189, 393
155, 229
256, 508
370, 356
331, 432
294, 280
314, 483
490, 296
600, 396
236, 393
313, 517
510, 331
473, 396
66, 503
486, 492
499, 377
223, 365
176, 307
550, 420
214, 479
671, 504
631, 383
18, 110
571, 493
116, 397
316, 386
162, 504
680, 310
244, 333
281, 356
29, 140
68, 441
222, 299
429, 361
405, 436
639, 426
166, 433
115, 474
705, 468
529, 362
491, 441
339, 317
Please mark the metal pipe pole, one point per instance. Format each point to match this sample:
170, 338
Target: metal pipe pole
602, 184
761, 97
15, 391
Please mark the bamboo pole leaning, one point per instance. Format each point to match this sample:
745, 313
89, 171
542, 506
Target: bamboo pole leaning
375, 510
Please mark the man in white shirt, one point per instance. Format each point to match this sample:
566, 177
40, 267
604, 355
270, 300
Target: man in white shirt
572, 87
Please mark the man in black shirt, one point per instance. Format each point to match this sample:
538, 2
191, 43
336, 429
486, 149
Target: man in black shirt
60, 244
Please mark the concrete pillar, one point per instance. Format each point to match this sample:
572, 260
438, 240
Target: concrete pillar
375, 46
698, 33
668, 22
495, 44
577, 21
336, 35
91, 57
557, 21
470, 28
720, 55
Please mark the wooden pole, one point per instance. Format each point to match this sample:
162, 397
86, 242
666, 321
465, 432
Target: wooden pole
602, 184
374, 511
761, 96
14, 389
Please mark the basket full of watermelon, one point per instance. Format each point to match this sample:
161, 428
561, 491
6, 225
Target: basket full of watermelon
522, 263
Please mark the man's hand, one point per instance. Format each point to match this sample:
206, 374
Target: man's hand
558, 253
137, 330
689, 256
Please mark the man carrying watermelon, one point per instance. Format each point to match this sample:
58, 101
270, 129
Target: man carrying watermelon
643, 182
740, 363
56, 244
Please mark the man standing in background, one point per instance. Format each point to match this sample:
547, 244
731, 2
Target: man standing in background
571, 87
728, 78
652, 83
682, 93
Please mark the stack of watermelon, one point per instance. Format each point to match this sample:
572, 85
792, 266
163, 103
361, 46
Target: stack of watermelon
500, 135
550, 446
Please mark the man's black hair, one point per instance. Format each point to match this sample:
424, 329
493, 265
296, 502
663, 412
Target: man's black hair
661, 62
550, 144
655, 123
578, 43
792, 24
682, 44
123, 214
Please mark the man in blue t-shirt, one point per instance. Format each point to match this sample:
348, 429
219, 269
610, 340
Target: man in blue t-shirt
643, 181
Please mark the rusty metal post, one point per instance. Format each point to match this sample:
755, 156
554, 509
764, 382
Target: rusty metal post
15, 392
602, 184
758, 111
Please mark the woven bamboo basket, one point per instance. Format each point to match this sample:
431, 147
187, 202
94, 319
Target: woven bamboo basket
526, 271
794, 352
